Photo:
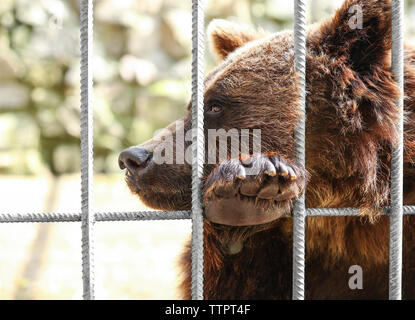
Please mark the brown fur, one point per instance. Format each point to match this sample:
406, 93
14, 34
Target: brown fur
350, 133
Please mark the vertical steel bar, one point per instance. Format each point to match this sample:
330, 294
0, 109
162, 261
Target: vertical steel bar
299, 219
395, 240
86, 30
198, 144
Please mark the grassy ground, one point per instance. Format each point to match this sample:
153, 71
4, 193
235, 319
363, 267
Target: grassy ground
134, 260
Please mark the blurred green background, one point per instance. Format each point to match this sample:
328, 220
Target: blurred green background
141, 73
142, 56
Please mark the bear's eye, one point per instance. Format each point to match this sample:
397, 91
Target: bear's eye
215, 110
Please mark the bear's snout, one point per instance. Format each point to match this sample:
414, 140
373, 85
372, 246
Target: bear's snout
134, 159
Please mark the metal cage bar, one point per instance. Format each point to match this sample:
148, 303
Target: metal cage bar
88, 217
395, 237
99, 217
162, 215
198, 145
87, 152
299, 215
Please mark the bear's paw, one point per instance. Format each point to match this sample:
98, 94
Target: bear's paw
253, 189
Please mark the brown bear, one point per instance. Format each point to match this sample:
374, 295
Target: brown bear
351, 115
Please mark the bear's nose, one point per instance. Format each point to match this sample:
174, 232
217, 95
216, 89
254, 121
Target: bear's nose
134, 158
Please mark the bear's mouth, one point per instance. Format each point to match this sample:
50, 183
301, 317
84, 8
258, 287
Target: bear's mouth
158, 194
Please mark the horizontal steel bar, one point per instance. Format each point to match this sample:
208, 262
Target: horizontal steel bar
408, 209
162, 215
39, 217
101, 216
341, 212
332, 212
143, 215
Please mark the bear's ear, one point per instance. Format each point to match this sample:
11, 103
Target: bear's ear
359, 33
226, 36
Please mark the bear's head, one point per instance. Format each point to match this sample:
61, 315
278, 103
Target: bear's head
255, 87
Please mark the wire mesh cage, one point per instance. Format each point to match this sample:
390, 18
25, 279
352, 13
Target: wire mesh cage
88, 216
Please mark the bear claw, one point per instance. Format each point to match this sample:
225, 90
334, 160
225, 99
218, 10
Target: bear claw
255, 190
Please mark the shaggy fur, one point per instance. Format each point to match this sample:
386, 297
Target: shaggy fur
350, 133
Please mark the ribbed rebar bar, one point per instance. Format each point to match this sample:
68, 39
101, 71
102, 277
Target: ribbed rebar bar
162, 215
86, 30
395, 240
299, 208
198, 144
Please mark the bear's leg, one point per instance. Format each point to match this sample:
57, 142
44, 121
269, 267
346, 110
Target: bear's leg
254, 190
